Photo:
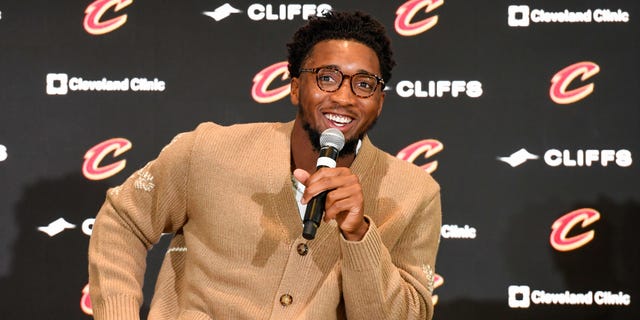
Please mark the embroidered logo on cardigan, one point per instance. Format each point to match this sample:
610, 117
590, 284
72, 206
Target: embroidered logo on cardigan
428, 272
144, 181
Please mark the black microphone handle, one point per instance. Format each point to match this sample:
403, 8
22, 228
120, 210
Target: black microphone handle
315, 207
313, 215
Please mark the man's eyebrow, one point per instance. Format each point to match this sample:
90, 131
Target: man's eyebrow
333, 66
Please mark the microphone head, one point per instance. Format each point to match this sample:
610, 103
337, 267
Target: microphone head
332, 137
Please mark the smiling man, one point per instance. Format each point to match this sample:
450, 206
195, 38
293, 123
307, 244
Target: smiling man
237, 250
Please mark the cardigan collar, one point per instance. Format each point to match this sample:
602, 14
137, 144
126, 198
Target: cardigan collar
361, 164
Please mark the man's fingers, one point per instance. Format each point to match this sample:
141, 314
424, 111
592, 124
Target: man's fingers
301, 175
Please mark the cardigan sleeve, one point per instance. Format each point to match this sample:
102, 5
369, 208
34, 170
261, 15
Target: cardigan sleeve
397, 283
132, 219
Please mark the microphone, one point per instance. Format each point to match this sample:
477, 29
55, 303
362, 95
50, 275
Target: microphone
331, 142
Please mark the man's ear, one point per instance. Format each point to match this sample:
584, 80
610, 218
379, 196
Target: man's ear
295, 93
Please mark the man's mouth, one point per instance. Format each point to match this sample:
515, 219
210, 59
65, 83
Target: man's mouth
338, 120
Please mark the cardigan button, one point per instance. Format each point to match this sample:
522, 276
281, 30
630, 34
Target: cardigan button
303, 249
286, 299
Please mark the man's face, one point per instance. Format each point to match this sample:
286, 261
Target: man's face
342, 109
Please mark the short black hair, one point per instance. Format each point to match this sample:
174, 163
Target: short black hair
357, 26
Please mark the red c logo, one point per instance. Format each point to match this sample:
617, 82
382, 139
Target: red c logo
564, 224
94, 12
85, 301
91, 167
438, 280
429, 147
408, 11
260, 90
564, 77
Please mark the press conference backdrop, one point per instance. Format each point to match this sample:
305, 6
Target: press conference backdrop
526, 112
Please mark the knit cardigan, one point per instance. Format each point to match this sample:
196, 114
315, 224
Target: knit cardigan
237, 252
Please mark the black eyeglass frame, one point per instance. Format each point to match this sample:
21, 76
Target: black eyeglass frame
379, 80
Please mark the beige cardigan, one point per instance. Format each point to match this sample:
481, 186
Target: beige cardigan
238, 253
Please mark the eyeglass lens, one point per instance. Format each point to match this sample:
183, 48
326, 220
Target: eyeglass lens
331, 79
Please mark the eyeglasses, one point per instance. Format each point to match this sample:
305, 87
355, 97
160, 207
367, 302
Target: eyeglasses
329, 79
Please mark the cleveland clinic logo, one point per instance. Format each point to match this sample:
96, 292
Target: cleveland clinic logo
523, 16
61, 84
522, 297
271, 12
452, 231
57, 83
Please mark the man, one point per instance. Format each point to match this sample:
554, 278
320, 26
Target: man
234, 196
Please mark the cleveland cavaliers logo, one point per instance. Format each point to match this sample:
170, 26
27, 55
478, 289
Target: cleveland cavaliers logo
93, 168
93, 22
560, 239
406, 12
263, 80
85, 301
429, 147
561, 81
438, 281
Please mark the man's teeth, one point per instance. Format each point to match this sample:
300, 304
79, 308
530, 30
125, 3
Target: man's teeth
337, 119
